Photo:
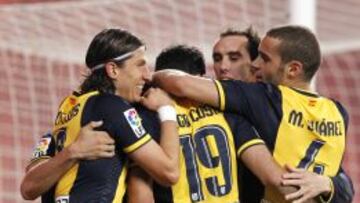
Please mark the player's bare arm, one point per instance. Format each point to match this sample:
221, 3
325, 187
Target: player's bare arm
164, 164
185, 85
41, 175
139, 186
269, 172
266, 169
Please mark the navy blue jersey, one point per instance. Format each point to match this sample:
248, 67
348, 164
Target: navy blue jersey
101, 180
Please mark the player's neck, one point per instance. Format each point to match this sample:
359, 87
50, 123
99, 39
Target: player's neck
301, 85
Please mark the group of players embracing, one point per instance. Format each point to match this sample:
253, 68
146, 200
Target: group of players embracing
256, 133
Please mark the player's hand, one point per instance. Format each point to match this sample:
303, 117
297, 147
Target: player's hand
154, 98
310, 184
91, 144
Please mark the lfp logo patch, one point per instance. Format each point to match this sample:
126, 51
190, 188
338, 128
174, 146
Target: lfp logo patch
134, 121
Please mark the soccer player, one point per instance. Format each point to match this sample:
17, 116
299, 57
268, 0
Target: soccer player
210, 143
233, 53
118, 73
286, 114
232, 57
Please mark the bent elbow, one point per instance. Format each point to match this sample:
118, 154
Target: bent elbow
170, 178
26, 192
25, 196
173, 177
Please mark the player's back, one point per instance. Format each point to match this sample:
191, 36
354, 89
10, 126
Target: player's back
311, 134
207, 157
301, 129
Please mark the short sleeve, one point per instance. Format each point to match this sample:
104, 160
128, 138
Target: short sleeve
121, 121
240, 97
259, 103
244, 133
150, 121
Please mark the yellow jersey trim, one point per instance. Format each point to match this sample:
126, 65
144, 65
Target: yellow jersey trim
120, 191
67, 182
322, 199
72, 126
249, 144
138, 144
221, 94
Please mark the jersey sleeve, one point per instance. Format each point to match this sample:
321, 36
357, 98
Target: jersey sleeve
244, 133
240, 97
121, 121
44, 149
342, 189
151, 122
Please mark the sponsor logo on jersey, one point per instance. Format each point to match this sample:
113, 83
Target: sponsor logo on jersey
134, 121
42, 147
64, 117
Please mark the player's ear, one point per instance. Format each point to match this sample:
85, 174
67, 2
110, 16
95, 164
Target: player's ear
294, 69
111, 69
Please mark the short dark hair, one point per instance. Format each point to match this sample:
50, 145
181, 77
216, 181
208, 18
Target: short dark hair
107, 45
181, 57
251, 35
298, 43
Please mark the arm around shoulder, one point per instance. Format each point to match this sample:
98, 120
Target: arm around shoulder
43, 174
185, 85
268, 171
